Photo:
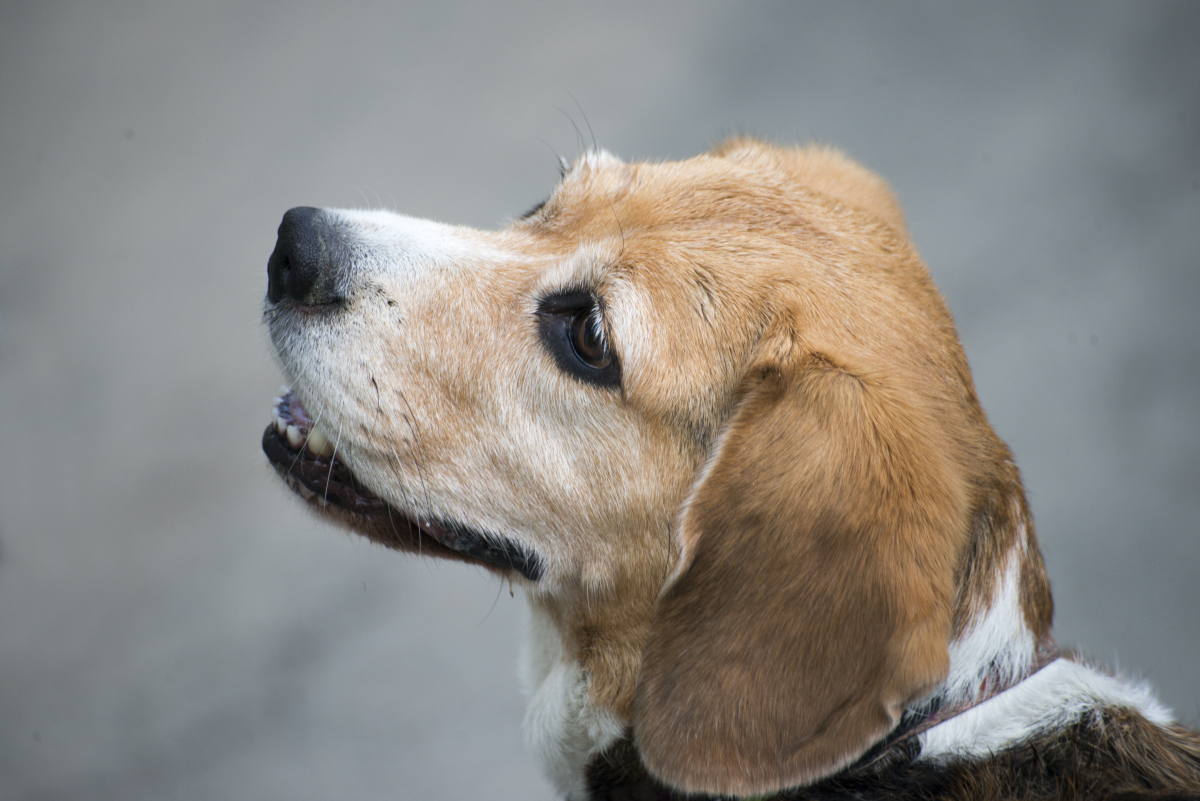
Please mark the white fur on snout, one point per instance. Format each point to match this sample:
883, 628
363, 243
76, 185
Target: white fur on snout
389, 244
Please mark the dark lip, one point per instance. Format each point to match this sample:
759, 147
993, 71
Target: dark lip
326, 477
331, 488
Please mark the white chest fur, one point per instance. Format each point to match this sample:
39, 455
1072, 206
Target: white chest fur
561, 727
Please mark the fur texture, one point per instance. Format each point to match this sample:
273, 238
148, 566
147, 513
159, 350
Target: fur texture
714, 417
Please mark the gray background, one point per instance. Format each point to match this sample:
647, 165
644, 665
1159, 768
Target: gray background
173, 625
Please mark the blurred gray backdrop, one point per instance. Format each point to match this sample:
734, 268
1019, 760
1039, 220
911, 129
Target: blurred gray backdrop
174, 625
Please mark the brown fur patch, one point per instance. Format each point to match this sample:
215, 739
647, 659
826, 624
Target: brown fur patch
822, 541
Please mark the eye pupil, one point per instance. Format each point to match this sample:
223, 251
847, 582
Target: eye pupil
587, 337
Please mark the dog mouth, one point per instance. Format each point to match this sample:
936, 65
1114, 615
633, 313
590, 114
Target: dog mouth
303, 454
306, 458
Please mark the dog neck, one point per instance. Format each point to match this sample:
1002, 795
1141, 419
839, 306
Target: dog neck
997, 646
563, 727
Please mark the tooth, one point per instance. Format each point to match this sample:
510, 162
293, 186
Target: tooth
319, 444
294, 437
280, 425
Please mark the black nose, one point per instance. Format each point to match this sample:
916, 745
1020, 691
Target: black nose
304, 264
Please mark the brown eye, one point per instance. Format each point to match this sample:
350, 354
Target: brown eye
587, 338
571, 327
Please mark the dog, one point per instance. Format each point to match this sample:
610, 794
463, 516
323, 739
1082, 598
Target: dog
714, 418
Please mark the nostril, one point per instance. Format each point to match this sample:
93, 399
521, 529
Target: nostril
282, 280
301, 267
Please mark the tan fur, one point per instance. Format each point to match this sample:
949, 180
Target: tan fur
796, 445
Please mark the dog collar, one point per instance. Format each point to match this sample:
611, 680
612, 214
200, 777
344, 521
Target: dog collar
1045, 653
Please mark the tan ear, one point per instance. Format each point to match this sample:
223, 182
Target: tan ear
813, 599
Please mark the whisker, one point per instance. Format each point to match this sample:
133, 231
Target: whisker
421, 458
595, 147
332, 459
496, 600
378, 400
303, 445
580, 142
562, 164
407, 500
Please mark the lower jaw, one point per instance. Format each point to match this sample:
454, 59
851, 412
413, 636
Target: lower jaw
331, 489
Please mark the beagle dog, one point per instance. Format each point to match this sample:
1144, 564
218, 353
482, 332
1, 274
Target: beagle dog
714, 418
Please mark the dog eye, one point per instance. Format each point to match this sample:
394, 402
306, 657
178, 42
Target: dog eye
587, 338
571, 324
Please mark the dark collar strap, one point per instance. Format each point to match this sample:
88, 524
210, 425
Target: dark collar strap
1045, 653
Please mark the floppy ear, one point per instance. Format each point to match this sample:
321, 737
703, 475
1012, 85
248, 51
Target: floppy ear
813, 597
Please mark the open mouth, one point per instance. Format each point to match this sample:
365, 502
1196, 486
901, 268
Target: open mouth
303, 454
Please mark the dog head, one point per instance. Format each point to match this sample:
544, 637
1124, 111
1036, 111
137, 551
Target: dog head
713, 414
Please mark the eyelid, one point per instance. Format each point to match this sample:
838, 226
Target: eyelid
570, 302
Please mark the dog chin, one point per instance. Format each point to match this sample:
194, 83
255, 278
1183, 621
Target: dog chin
307, 461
